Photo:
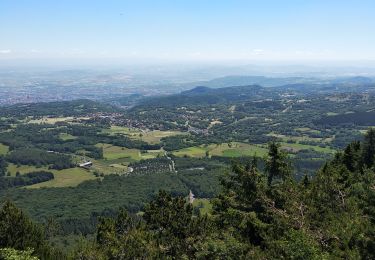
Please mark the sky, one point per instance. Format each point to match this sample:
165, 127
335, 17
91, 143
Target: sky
188, 30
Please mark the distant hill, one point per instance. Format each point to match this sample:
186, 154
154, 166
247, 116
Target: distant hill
263, 81
356, 118
205, 96
57, 108
229, 81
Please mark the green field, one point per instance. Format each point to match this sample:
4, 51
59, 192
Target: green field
66, 178
308, 130
22, 169
195, 151
106, 167
63, 178
112, 152
204, 205
151, 137
66, 137
234, 149
155, 136
116, 158
297, 139
3, 149
113, 130
49, 120
298, 147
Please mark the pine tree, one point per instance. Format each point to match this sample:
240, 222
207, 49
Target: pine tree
368, 148
277, 165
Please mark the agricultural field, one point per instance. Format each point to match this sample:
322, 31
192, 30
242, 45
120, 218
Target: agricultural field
297, 139
204, 206
297, 147
66, 137
3, 149
234, 149
112, 152
66, 178
114, 130
49, 120
62, 178
152, 137
22, 169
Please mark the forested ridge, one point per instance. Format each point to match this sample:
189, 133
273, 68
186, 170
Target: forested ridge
257, 215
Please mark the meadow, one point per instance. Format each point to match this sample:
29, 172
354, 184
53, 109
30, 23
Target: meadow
152, 137
233, 149
3, 149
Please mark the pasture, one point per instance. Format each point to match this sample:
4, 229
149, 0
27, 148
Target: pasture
66, 137
66, 178
152, 137
3, 149
233, 149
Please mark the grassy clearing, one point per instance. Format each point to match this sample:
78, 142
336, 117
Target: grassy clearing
63, 178
331, 114
110, 167
49, 120
66, 178
233, 149
308, 130
297, 139
116, 158
195, 151
112, 152
298, 147
236, 149
151, 137
155, 136
204, 205
66, 137
3, 149
22, 169
113, 130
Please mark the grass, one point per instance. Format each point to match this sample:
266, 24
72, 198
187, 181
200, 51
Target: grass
66, 137
3, 149
112, 152
297, 139
66, 178
113, 130
152, 137
234, 149
308, 130
204, 205
116, 158
50, 120
298, 147
331, 114
22, 169
106, 167
63, 178
195, 151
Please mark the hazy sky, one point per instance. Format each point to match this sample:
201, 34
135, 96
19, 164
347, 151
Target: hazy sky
188, 29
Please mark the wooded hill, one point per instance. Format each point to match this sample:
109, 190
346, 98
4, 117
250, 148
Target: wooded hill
258, 215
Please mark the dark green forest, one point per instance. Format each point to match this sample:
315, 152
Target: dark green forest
257, 215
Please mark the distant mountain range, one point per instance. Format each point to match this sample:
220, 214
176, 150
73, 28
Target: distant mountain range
229, 81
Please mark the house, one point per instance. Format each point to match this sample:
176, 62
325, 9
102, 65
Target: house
85, 164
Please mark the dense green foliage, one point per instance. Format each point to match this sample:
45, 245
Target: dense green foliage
65, 108
328, 216
29, 178
256, 216
18, 232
